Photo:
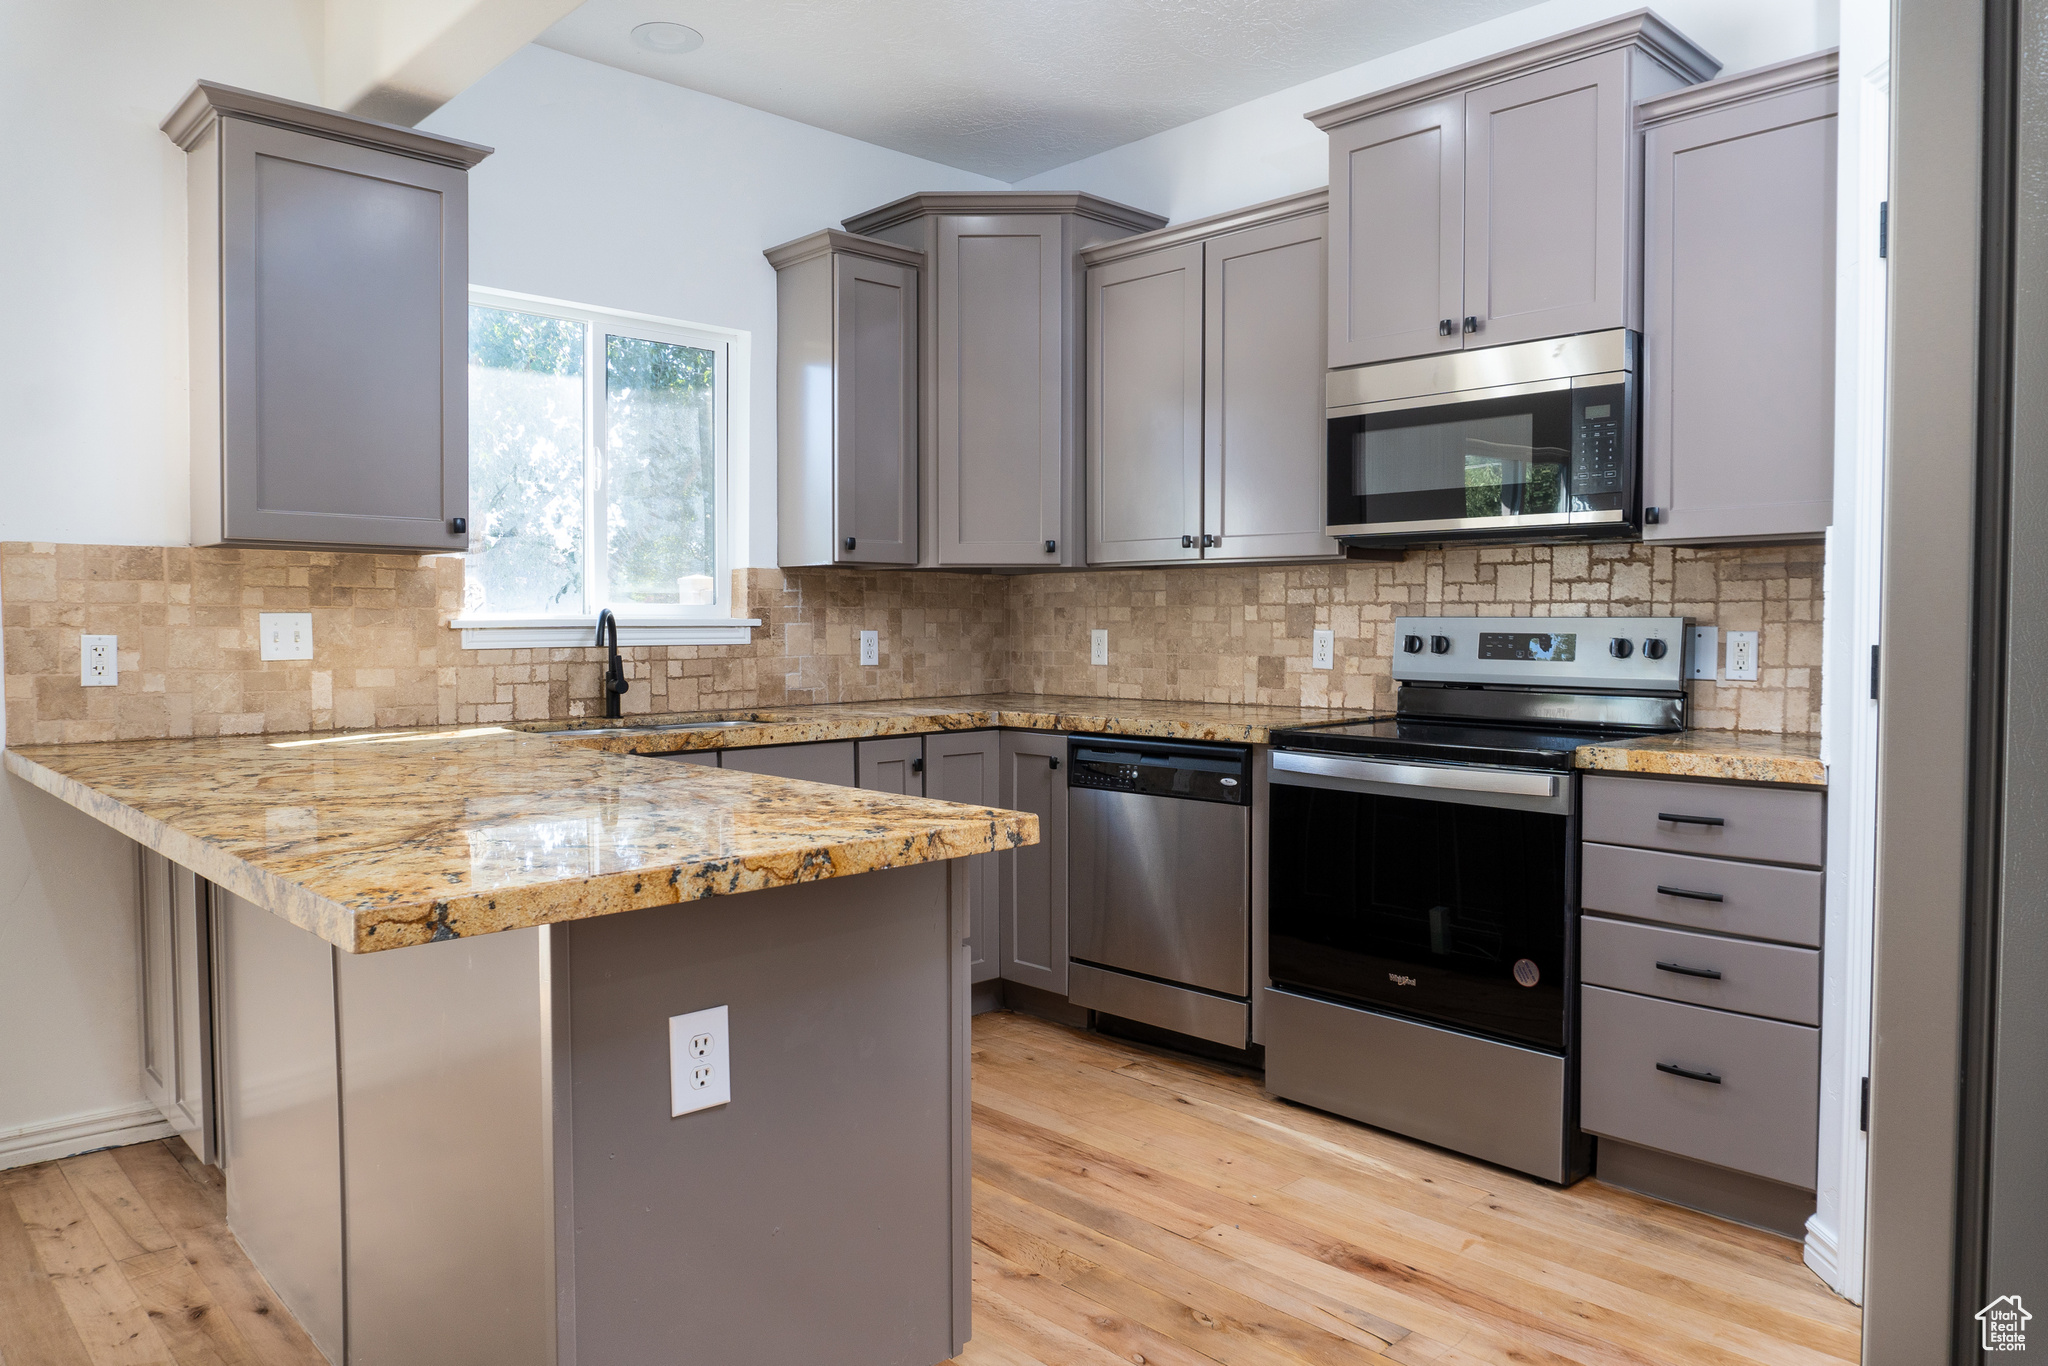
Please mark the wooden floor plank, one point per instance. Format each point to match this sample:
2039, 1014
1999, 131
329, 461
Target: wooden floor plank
102, 1306
191, 1210
124, 1222
34, 1329
182, 1308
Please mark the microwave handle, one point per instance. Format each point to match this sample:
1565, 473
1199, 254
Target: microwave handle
1506, 782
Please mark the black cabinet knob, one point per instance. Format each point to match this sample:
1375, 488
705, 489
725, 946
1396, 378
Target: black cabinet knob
1447, 328
1187, 543
917, 765
1439, 645
1471, 322
1652, 516
1621, 647
1654, 648
849, 542
1412, 644
1051, 546
458, 525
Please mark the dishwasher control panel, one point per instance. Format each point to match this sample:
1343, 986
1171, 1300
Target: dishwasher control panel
1200, 773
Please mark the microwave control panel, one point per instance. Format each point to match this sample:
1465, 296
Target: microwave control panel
1597, 447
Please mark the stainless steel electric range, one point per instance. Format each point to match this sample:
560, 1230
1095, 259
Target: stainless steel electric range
1424, 882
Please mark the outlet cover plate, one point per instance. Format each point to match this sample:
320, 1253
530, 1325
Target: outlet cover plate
286, 635
870, 647
1704, 660
99, 661
699, 1061
1325, 650
1098, 647
1742, 649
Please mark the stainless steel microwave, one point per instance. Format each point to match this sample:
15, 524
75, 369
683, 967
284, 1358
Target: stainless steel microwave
1537, 440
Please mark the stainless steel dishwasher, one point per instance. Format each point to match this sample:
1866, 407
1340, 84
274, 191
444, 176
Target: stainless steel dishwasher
1159, 885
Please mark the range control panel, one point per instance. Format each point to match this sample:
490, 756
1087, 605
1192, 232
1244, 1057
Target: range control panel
1638, 653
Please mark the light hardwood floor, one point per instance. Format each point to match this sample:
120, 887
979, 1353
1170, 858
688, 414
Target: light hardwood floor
1128, 1207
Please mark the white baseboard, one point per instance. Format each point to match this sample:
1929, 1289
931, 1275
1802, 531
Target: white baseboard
1821, 1253
81, 1134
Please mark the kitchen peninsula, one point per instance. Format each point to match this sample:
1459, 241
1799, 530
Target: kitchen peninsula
464, 1151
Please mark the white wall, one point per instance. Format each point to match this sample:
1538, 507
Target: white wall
1264, 148
93, 449
621, 191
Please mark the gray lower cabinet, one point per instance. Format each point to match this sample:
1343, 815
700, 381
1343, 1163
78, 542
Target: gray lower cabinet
827, 761
846, 400
1497, 202
1739, 306
177, 1002
1032, 905
892, 765
1206, 435
966, 767
1000, 354
329, 260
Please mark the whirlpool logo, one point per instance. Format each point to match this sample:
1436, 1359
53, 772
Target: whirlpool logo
1398, 980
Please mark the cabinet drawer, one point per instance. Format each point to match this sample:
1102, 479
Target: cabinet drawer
1755, 979
1750, 899
1771, 824
1760, 1116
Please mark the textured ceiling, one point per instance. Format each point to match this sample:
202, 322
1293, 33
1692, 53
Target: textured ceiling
1007, 88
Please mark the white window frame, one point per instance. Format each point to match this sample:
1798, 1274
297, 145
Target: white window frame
703, 624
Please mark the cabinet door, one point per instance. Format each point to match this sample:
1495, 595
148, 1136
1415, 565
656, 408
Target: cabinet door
1033, 896
1264, 434
1397, 228
893, 765
966, 767
1546, 202
874, 377
344, 343
1145, 406
999, 443
1738, 321
177, 1003
827, 761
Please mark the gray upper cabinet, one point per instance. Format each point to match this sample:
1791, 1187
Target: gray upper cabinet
1145, 407
1206, 435
1739, 308
329, 321
1496, 202
1000, 359
846, 307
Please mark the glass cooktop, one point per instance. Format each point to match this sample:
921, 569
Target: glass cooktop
1452, 742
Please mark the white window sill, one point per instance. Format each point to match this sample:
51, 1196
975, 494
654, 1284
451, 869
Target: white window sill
554, 633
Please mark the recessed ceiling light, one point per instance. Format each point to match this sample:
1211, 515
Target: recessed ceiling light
669, 40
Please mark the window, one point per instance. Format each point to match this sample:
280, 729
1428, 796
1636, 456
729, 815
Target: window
597, 475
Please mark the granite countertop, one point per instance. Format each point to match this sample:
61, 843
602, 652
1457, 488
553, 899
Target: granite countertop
380, 840
1226, 722
1740, 756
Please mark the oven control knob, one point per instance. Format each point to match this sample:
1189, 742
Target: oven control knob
1653, 648
1621, 647
1412, 644
1439, 645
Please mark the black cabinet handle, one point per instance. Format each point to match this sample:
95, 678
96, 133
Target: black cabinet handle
1690, 896
1471, 322
1052, 764
849, 542
1675, 1070
1684, 971
917, 766
1051, 546
1447, 328
1187, 543
1208, 540
1690, 820
459, 525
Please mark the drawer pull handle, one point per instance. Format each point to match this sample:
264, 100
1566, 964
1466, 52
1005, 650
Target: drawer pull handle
1675, 1070
1690, 896
1683, 971
1690, 820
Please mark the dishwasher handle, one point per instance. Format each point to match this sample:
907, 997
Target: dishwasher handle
1381, 773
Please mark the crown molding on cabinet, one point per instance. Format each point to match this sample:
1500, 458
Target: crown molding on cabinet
1004, 201
831, 239
1642, 29
1779, 78
1196, 229
208, 101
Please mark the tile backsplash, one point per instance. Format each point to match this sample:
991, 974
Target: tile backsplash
385, 656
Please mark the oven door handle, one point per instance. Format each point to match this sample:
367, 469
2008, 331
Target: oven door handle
1445, 778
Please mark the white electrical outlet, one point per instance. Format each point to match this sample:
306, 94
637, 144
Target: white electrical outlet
1706, 652
1098, 647
286, 635
699, 1061
1325, 650
99, 661
870, 647
1741, 656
